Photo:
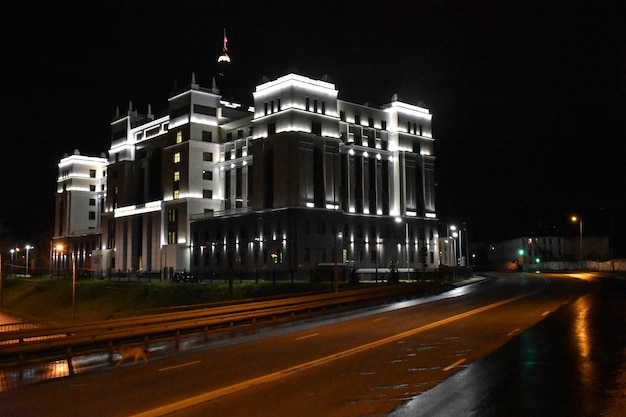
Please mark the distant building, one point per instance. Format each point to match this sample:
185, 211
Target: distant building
299, 180
548, 253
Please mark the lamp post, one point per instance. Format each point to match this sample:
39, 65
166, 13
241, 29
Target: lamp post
455, 236
28, 248
406, 244
12, 261
1, 295
580, 227
73, 288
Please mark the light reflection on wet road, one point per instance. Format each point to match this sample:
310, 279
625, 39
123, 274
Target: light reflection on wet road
369, 362
571, 364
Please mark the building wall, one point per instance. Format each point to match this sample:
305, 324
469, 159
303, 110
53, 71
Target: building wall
79, 203
297, 240
208, 160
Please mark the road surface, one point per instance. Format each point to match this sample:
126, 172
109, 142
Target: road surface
374, 362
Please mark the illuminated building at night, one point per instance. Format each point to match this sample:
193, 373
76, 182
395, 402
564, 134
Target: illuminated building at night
79, 204
300, 179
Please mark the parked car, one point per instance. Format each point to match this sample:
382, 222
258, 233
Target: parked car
184, 277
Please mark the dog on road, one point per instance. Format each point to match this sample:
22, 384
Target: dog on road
135, 352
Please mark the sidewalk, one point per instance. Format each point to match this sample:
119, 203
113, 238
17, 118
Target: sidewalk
472, 280
7, 319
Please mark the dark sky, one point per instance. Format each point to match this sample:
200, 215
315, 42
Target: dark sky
528, 97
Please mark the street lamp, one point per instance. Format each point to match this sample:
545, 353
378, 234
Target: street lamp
73, 288
455, 236
28, 247
406, 244
408, 277
580, 226
59, 259
12, 261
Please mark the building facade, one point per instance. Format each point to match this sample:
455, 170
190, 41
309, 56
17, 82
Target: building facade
299, 180
79, 206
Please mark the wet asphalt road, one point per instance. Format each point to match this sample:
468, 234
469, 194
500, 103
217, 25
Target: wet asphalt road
517, 345
573, 364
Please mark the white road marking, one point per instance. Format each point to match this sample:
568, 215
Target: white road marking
182, 365
512, 332
264, 379
455, 364
307, 336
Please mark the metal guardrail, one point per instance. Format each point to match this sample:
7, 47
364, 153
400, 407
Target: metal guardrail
30, 346
11, 327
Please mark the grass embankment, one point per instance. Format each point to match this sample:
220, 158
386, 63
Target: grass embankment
50, 300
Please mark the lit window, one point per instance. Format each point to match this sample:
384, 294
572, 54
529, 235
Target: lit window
179, 136
176, 194
177, 157
176, 175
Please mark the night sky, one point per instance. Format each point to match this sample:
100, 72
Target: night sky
528, 97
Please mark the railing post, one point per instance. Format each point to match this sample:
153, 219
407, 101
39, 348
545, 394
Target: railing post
70, 365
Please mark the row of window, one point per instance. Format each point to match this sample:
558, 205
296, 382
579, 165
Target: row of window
412, 127
206, 175
92, 173
215, 256
314, 105
205, 193
207, 135
206, 156
357, 120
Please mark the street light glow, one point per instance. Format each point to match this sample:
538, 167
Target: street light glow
580, 226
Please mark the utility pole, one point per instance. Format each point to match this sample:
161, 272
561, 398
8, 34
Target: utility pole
1, 295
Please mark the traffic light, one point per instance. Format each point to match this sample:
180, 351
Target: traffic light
277, 257
520, 252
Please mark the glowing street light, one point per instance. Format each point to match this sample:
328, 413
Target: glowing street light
28, 248
580, 224
406, 244
59, 258
456, 237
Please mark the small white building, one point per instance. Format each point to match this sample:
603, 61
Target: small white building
79, 204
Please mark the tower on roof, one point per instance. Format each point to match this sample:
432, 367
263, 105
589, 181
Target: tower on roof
224, 70
224, 57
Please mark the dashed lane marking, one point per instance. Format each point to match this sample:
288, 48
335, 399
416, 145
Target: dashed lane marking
455, 364
307, 336
264, 379
182, 365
